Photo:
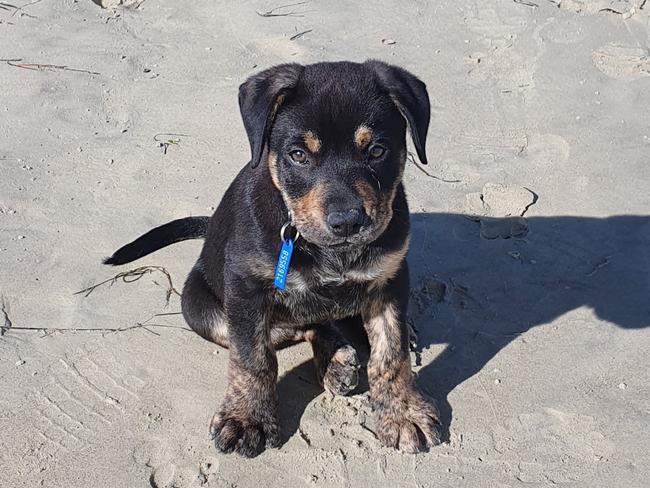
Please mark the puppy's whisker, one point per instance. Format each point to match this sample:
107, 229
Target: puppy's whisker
374, 176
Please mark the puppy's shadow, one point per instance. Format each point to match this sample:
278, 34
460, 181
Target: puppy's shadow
297, 388
476, 295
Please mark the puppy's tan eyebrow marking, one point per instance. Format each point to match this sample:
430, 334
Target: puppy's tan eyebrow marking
362, 136
312, 141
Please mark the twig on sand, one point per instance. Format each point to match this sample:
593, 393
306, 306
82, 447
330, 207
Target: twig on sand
599, 265
16, 63
131, 276
412, 159
8, 323
19, 8
136, 5
165, 143
139, 325
525, 2
278, 11
127, 277
300, 34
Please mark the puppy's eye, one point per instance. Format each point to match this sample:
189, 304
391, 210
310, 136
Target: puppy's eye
376, 151
298, 156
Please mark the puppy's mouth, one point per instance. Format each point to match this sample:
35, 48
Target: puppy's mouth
345, 244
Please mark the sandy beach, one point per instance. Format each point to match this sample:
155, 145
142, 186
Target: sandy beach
530, 248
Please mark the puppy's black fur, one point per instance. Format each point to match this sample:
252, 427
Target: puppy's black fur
328, 145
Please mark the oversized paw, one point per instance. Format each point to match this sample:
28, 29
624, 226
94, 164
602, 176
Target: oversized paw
247, 435
341, 375
410, 422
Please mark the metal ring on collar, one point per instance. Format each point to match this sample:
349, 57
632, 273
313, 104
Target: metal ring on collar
284, 229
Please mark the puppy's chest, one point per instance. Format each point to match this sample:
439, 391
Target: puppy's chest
327, 292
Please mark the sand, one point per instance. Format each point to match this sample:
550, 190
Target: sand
533, 339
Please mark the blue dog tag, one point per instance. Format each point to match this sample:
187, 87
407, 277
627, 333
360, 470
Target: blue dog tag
284, 260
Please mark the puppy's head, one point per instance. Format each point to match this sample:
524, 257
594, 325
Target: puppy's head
334, 138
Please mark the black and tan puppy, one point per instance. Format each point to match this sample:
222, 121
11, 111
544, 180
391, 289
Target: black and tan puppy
328, 146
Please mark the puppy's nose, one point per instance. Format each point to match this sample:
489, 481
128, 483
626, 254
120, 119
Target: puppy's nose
347, 223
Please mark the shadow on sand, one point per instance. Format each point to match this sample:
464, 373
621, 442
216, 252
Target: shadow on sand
476, 295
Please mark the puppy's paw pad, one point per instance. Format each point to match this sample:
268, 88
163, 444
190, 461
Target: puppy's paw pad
342, 373
244, 436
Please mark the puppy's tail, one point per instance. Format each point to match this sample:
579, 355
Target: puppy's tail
169, 233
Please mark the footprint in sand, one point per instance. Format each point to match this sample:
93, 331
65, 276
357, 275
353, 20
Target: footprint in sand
622, 62
500, 209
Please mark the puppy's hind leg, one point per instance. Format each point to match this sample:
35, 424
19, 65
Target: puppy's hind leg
337, 365
202, 310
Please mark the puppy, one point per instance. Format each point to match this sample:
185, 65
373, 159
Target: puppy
313, 230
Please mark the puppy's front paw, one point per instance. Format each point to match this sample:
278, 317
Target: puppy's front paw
409, 422
342, 373
247, 434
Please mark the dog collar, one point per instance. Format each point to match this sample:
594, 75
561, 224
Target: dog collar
284, 258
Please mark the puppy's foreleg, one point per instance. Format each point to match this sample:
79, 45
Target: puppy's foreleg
406, 418
247, 421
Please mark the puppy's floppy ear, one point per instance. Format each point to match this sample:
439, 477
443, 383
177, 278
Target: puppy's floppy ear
260, 97
412, 100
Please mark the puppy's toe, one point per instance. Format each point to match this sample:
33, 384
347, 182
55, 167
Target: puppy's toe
411, 426
423, 413
243, 436
226, 433
342, 373
272, 435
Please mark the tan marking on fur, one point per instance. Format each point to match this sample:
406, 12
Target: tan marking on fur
382, 270
244, 389
385, 208
312, 141
389, 264
273, 169
383, 211
368, 197
308, 208
250, 403
400, 406
309, 335
276, 106
219, 329
341, 356
362, 136
383, 327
